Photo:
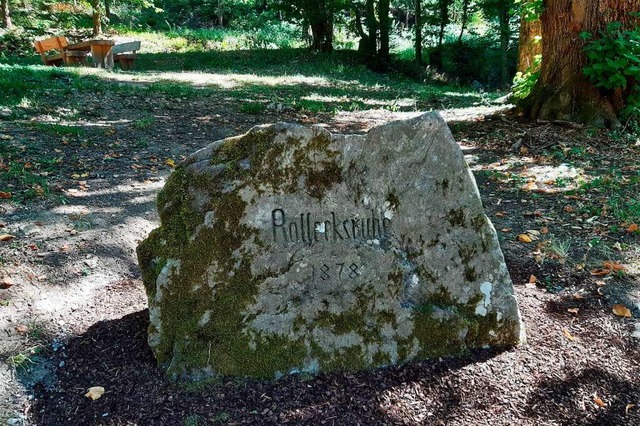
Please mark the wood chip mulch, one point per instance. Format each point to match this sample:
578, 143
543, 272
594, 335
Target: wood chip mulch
574, 370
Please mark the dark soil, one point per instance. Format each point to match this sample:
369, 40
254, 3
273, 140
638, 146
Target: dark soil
551, 380
580, 365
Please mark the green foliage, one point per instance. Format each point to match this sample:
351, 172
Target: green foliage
614, 62
477, 58
524, 82
530, 10
16, 42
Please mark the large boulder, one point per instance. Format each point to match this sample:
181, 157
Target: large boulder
291, 249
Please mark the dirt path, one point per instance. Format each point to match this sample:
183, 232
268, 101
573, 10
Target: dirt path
73, 316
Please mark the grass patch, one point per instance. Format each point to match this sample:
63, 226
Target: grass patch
612, 194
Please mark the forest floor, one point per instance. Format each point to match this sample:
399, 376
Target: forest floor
77, 194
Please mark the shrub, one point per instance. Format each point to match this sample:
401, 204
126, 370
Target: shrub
614, 63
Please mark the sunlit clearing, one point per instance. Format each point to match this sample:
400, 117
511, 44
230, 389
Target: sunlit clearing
224, 81
535, 178
405, 102
25, 103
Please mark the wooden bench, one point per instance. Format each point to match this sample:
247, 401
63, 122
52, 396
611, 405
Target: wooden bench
125, 54
61, 55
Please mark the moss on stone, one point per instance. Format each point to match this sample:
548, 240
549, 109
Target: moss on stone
393, 200
456, 217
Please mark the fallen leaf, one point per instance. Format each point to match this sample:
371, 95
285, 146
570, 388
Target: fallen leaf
599, 401
627, 408
22, 329
573, 310
621, 311
524, 238
28, 165
6, 283
600, 283
169, 162
6, 237
568, 335
614, 266
501, 214
94, 392
533, 279
578, 296
544, 230
600, 272
506, 229
5, 195
632, 228
568, 209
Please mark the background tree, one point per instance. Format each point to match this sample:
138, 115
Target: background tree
502, 10
439, 16
418, 31
562, 91
374, 43
97, 8
467, 7
319, 16
5, 14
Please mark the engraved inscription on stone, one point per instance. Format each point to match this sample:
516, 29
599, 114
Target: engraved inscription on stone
311, 228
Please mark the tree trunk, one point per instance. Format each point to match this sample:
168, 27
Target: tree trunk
372, 27
5, 14
107, 9
418, 28
529, 45
220, 13
465, 17
505, 35
319, 13
365, 46
385, 28
96, 6
562, 91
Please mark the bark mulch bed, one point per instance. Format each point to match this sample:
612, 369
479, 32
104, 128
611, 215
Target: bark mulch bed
574, 370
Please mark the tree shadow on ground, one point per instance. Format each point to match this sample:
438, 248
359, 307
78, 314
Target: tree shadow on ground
571, 397
114, 354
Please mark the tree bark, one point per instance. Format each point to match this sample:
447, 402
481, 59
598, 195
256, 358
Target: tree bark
562, 91
220, 13
319, 14
529, 45
372, 27
97, 11
5, 13
465, 17
385, 28
365, 46
107, 9
418, 28
505, 34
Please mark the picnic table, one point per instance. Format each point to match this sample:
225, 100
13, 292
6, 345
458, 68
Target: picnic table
100, 51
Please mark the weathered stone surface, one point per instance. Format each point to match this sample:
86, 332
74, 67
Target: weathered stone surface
291, 249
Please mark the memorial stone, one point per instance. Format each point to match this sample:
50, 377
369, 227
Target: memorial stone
291, 249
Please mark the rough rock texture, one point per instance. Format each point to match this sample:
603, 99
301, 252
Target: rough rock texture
290, 249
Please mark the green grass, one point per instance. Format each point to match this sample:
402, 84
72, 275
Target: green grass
246, 81
614, 194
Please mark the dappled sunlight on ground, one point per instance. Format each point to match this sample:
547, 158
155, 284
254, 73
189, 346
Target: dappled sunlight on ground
535, 174
223, 80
